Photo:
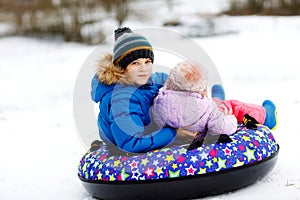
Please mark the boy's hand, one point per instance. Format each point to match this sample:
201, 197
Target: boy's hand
185, 133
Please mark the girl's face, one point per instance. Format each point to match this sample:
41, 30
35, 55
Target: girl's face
139, 71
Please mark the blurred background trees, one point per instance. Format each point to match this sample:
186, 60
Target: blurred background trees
264, 7
89, 21
74, 20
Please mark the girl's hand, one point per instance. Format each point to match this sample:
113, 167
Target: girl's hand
227, 112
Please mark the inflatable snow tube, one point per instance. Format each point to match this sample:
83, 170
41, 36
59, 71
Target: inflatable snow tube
175, 173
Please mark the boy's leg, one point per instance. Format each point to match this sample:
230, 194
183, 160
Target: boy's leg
217, 91
271, 114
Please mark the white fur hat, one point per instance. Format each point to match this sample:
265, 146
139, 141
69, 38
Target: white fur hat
186, 77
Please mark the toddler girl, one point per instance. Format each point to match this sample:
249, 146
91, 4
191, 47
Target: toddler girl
183, 103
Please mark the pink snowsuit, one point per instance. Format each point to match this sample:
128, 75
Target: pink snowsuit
239, 109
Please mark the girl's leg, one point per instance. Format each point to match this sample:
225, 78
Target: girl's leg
239, 109
265, 114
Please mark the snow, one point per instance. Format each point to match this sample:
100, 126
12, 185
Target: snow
39, 145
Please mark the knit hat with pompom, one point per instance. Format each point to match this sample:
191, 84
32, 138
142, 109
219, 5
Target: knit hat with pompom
130, 46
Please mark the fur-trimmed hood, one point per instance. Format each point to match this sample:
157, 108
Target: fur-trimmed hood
107, 72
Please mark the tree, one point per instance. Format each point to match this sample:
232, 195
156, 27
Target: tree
22, 8
120, 9
274, 7
74, 20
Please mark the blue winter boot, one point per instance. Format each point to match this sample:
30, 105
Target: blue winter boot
271, 114
217, 91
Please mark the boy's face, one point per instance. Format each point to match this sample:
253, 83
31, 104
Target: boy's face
139, 71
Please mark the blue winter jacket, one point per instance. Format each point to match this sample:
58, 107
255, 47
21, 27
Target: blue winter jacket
124, 117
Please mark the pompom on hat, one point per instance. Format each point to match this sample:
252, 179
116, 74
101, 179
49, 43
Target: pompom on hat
130, 46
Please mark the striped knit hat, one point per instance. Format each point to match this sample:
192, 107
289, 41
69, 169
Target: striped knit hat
130, 46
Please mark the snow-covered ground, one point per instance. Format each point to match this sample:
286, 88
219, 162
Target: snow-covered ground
39, 145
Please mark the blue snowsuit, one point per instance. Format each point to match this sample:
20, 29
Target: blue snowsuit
124, 119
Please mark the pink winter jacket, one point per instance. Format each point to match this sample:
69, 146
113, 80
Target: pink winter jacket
192, 111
